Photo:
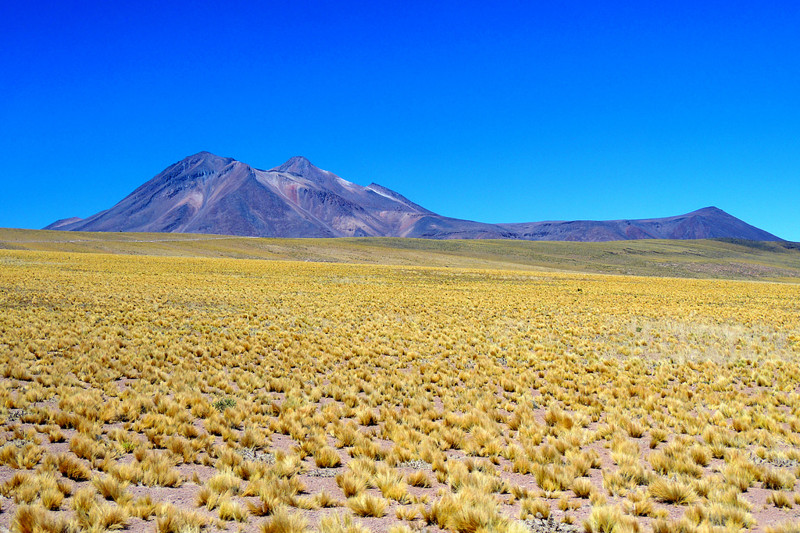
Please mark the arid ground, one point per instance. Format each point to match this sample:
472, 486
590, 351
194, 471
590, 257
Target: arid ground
162, 393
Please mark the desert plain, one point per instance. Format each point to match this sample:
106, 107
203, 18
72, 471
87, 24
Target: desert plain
457, 389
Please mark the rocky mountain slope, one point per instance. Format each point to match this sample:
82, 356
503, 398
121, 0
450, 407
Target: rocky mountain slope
205, 193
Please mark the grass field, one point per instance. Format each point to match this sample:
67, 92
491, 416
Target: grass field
690, 259
166, 393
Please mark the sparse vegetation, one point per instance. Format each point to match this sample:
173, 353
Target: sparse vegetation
465, 399
367, 505
224, 403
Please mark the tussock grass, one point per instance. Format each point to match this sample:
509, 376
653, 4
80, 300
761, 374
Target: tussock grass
143, 507
340, 523
282, 521
582, 487
351, 484
223, 482
607, 519
552, 478
367, 505
73, 468
24, 457
173, 520
672, 491
266, 505
326, 457
406, 513
418, 479
776, 479
112, 489
473, 372
35, 519
535, 508
780, 499
639, 504
92, 514
784, 527
740, 476
230, 509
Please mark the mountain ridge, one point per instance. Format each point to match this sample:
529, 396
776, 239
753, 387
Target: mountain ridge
207, 193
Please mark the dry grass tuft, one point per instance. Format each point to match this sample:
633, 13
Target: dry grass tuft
776, 479
672, 491
35, 519
173, 520
326, 501
418, 478
326, 457
284, 522
607, 519
781, 500
368, 505
351, 484
406, 513
582, 487
232, 510
73, 468
784, 527
112, 489
340, 523
535, 508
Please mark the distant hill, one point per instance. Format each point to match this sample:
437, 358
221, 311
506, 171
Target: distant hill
706, 223
205, 193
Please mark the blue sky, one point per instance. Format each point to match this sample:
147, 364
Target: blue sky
491, 111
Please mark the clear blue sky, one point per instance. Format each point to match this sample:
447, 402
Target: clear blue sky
491, 111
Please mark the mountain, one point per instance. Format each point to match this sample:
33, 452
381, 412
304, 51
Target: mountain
706, 223
205, 193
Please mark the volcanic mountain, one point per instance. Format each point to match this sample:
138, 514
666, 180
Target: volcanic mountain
205, 193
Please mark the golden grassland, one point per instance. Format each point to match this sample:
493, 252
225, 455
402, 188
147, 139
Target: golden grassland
188, 394
702, 259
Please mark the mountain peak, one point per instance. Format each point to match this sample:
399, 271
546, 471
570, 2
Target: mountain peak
710, 210
207, 156
297, 165
197, 165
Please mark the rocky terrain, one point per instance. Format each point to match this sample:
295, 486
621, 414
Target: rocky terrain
205, 193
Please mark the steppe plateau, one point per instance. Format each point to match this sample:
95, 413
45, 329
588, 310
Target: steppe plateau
157, 392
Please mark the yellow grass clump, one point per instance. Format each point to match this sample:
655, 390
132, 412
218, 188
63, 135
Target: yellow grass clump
282, 521
367, 505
